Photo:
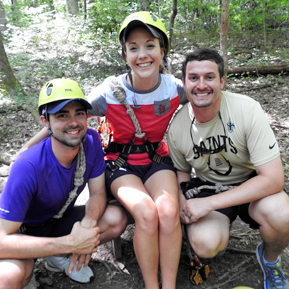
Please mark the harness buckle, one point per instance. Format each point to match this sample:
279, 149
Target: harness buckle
200, 271
138, 150
157, 158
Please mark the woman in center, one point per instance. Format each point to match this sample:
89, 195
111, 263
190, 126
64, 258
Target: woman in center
140, 174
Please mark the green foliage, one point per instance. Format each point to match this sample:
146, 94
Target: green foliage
54, 46
45, 44
252, 15
108, 15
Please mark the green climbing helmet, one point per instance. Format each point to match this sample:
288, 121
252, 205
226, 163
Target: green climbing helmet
61, 91
148, 19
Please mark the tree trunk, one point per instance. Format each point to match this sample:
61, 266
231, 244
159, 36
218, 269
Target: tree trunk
9, 85
8, 82
51, 5
224, 33
84, 9
262, 69
145, 5
3, 21
172, 19
72, 7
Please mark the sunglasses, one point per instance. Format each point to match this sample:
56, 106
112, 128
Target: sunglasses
204, 150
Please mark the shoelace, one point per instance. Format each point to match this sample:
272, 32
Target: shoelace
275, 277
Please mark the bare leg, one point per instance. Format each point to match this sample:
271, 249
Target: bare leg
112, 223
131, 193
209, 235
272, 213
165, 195
15, 274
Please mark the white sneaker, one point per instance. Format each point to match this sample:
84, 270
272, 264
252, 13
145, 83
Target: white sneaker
32, 283
61, 264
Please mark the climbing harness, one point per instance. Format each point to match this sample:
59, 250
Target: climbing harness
200, 271
193, 187
218, 188
130, 148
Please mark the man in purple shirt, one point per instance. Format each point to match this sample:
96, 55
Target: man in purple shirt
37, 213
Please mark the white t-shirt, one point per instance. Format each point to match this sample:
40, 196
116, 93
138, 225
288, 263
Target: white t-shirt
241, 128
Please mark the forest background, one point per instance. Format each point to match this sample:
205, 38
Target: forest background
47, 39
43, 40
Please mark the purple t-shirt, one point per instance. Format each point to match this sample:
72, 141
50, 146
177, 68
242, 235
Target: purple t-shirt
38, 185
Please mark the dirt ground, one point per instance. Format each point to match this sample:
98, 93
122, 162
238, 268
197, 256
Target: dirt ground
237, 267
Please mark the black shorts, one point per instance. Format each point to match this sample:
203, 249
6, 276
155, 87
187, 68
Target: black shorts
143, 171
232, 212
55, 227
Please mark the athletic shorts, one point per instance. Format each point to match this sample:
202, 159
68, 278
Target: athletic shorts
143, 171
232, 212
55, 227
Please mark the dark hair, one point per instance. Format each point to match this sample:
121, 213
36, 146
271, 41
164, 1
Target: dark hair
204, 54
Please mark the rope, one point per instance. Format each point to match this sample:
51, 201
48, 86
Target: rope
119, 93
78, 180
188, 245
218, 189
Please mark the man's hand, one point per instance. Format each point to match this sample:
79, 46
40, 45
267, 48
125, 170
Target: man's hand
84, 240
83, 259
194, 209
87, 222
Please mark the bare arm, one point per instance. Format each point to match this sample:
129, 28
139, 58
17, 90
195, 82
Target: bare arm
183, 177
95, 208
96, 204
18, 246
269, 180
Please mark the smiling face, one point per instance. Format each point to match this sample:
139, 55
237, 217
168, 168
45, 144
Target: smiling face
203, 84
143, 54
69, 125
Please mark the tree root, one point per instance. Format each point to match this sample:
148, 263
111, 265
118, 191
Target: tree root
255, 87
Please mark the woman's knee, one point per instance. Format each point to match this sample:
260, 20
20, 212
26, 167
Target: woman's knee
146, 217
168, 212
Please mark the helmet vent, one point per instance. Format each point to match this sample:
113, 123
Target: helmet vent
48, 91
154, 18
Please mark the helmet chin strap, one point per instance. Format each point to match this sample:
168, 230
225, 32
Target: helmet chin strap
68, 145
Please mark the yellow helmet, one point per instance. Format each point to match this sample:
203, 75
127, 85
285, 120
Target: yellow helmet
60, 89
148, 19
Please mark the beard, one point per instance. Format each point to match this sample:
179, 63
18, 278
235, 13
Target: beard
72, 142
